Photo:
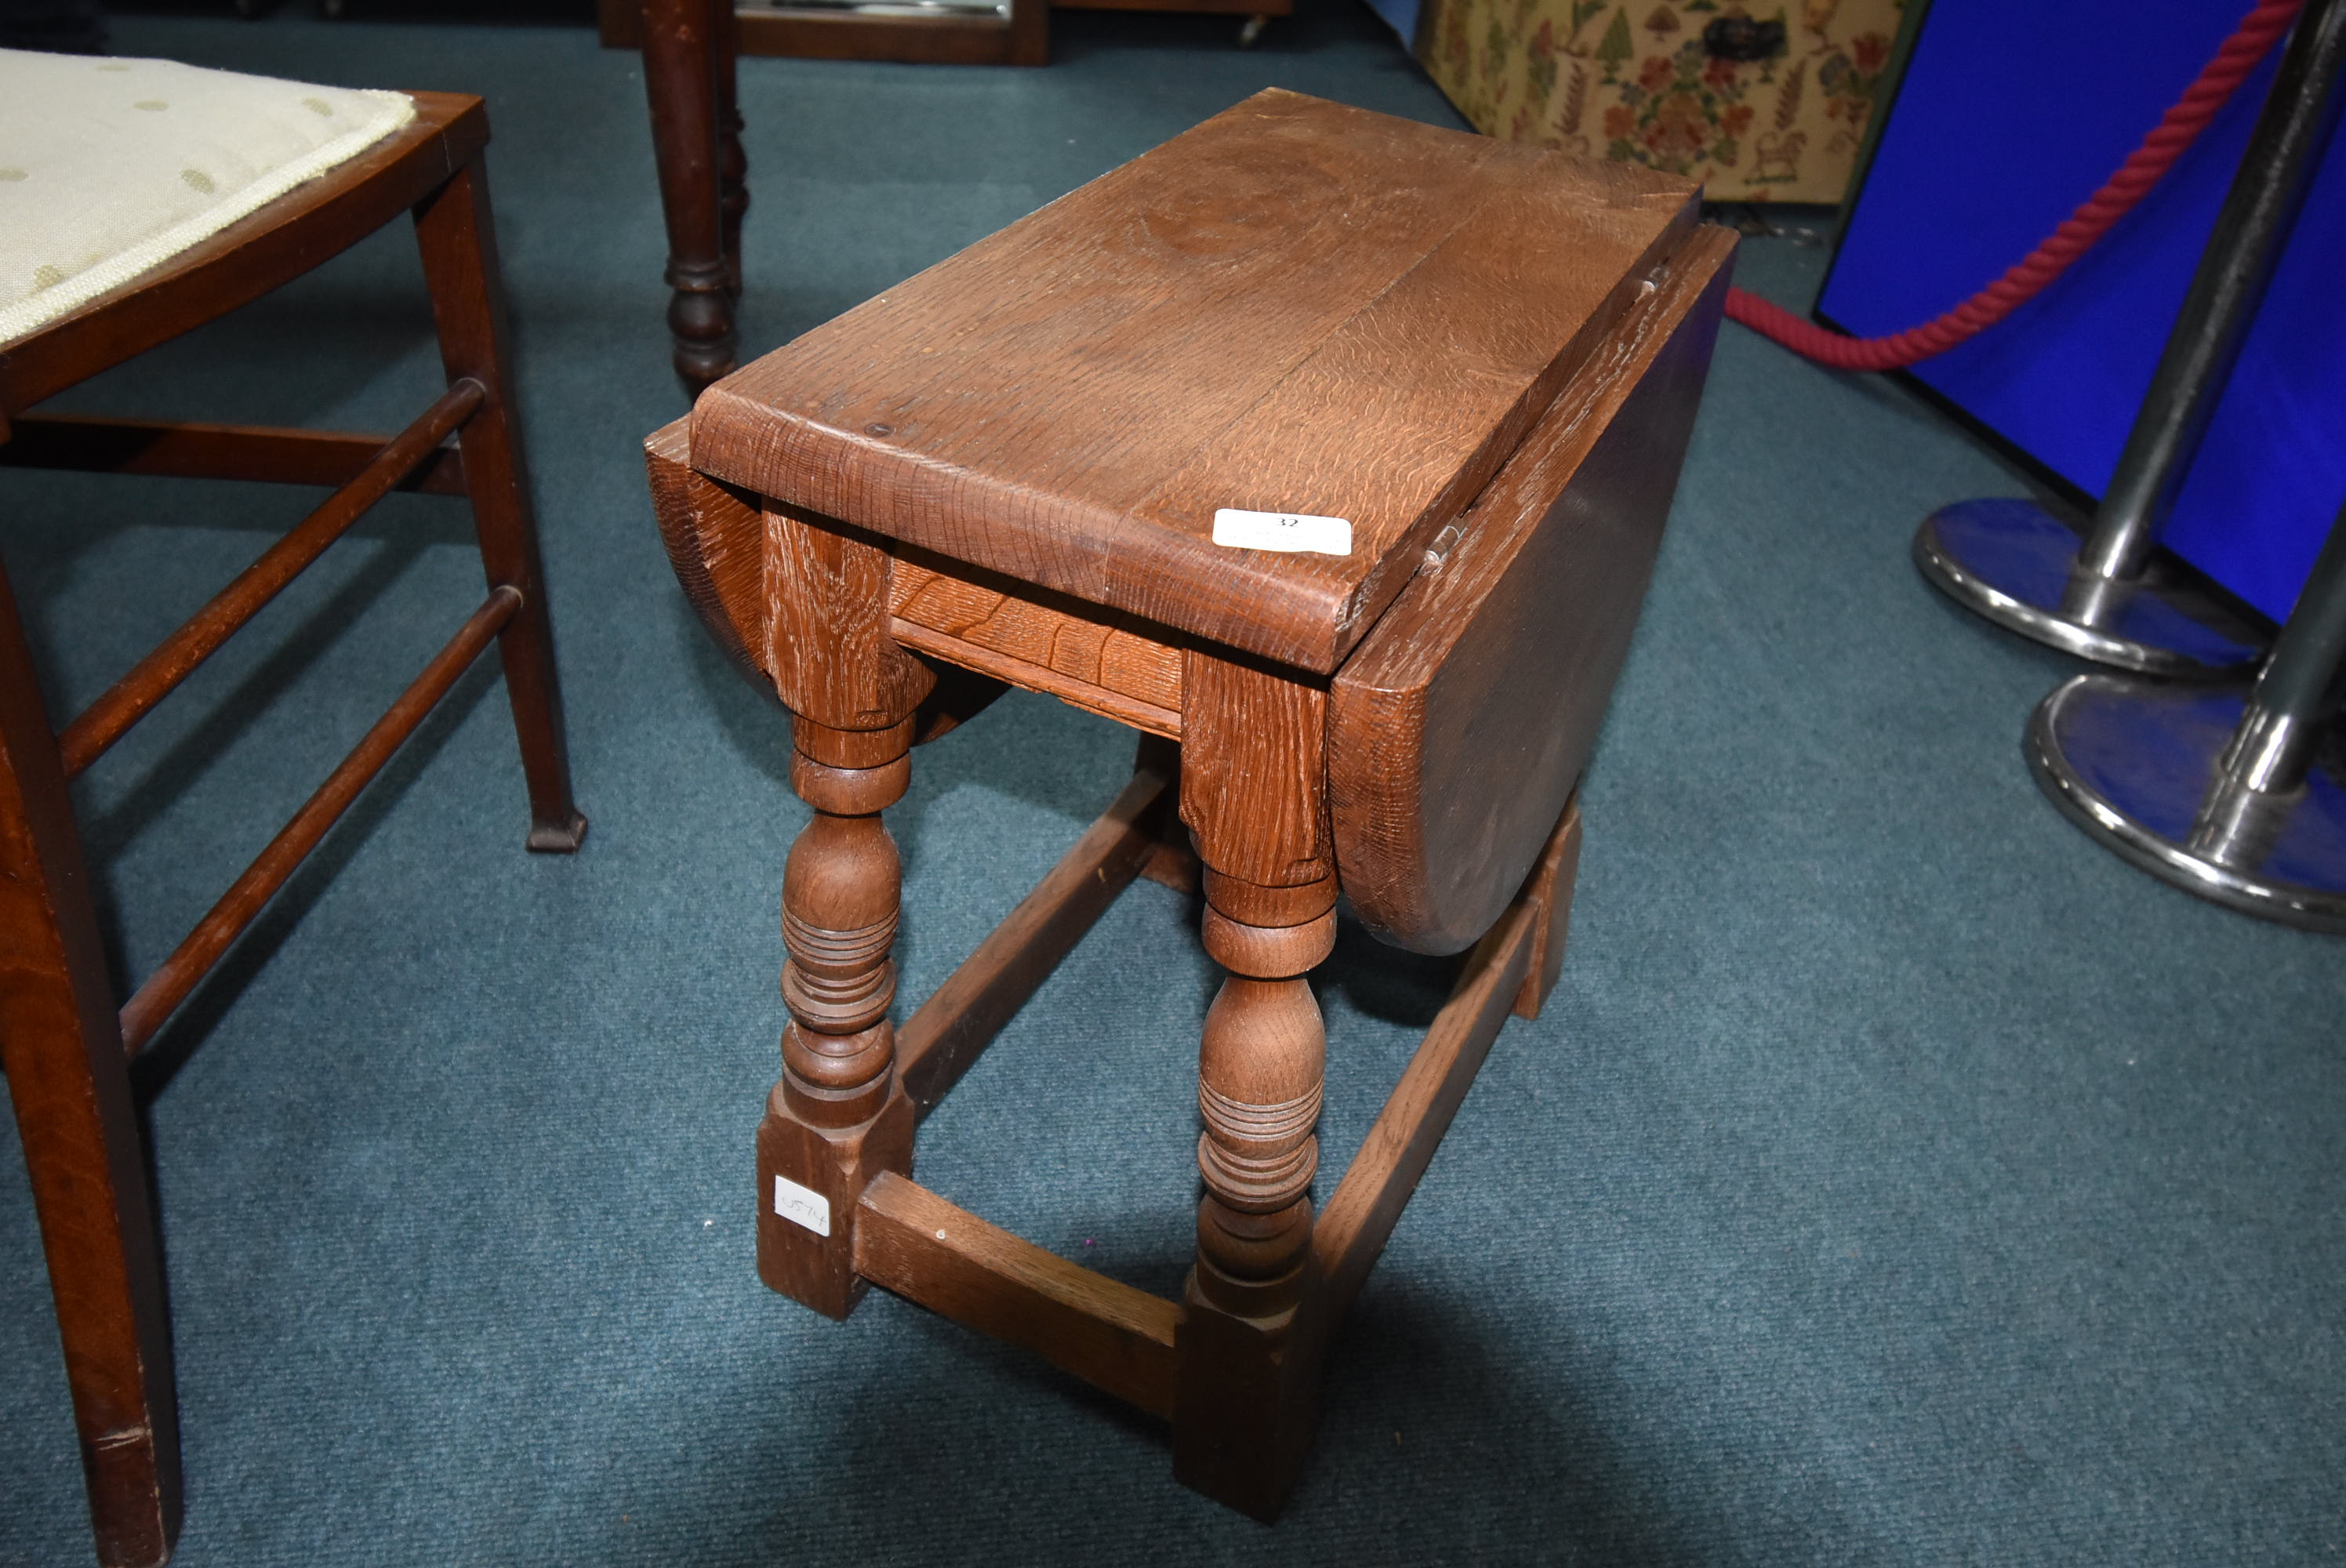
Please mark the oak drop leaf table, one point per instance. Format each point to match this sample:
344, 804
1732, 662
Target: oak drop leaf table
1484, 357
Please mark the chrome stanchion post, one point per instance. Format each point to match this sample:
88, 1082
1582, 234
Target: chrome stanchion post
2109, 597
2238, 800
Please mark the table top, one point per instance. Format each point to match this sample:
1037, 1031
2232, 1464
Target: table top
1295, 307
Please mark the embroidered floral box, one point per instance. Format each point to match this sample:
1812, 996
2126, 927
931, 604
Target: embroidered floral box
1766, 106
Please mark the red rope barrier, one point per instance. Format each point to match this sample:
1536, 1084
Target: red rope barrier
2180, 126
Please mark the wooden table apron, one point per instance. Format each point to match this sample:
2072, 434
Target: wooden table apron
885, 524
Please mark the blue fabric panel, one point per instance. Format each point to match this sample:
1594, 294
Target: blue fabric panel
1400, 16
2013, 111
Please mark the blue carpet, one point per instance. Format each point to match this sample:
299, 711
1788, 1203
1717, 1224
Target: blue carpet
1895, 1176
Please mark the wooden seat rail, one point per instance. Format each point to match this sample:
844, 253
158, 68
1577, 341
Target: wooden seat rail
154, 677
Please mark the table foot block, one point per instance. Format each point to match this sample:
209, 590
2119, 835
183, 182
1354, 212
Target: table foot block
945, 1037
808, 1181
1113, 1336
1247, 1402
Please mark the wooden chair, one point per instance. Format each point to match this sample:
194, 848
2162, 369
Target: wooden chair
64, 1041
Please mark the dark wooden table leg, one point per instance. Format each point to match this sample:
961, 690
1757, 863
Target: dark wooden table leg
1252, 1332
71, 1089
688, 77
458, 238
733, 164
840, 1115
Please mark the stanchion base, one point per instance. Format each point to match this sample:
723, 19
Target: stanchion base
2013, 563
2135, 765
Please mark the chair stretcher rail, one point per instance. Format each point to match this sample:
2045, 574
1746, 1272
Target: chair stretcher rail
176, 657
89, 444
169, 984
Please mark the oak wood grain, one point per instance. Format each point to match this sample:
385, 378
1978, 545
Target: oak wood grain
715, 542
828, 643
715, 539
1013, 671
1487, 359
1081, 658
1253, 776
1118, 1339
1457, 730
839, 1116
1295, 305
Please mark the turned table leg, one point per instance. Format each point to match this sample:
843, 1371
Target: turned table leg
687, 78
840, 1115
1252, 1329
733, 163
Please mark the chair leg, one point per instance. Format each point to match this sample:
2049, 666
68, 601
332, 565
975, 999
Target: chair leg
71, 1086
454, 228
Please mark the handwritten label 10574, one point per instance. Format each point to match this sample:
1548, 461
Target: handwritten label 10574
803, 1206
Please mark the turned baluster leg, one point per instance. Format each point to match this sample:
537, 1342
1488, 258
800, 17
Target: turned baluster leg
681, 46
840, 1115
1251, 1336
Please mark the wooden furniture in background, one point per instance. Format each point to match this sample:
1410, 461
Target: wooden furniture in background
1487, 359
1257, 14
66, 1041
690, 51
1018, 32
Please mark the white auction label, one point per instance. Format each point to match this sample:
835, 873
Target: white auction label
802, 1207
1283, 531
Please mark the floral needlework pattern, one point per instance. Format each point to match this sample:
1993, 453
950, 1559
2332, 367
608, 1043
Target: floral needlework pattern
1757, 105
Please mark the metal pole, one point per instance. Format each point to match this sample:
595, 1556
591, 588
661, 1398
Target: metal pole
2294, 691
2111, 597
2251, 233
2235, 798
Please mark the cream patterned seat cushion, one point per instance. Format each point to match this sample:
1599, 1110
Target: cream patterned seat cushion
109, 167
